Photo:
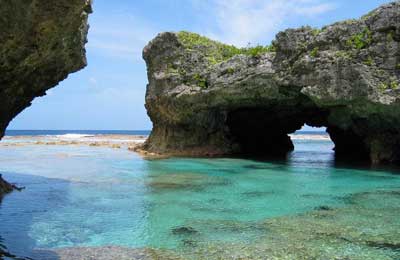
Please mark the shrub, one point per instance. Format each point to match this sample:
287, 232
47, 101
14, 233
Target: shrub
201, 81
314, 52
361, 40
217, 52
316, 31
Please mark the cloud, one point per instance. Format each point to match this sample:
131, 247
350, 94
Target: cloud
242, 21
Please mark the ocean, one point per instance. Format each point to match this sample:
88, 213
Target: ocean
80, 132
108, 132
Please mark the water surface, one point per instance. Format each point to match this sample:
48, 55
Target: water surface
80, 196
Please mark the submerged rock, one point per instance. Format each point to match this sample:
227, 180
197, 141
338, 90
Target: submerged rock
208, 98
184, 231
5, 187
41, 42
323, 208
352, 232
106, 253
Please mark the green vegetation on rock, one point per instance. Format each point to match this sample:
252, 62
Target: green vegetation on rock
217, 52
343, 54
369, 61
394, 84
201, 81
314, 52
230, 70
361, 40
390, 36
391, 85
316, 31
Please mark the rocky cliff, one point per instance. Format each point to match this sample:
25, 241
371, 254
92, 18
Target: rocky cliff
41, 42
208, 98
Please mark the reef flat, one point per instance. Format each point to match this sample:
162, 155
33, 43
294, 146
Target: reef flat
356, 232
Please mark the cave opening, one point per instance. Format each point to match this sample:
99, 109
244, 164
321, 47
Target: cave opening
274, 132
312, 145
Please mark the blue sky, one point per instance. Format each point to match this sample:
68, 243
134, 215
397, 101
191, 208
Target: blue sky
109, 92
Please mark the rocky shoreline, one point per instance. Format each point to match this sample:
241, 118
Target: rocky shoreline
206, 98
130, 142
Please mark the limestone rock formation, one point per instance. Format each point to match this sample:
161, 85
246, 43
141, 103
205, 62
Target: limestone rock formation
208, 98
41, 42
5, 188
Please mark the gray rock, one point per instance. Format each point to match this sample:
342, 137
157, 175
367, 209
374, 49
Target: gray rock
208, 98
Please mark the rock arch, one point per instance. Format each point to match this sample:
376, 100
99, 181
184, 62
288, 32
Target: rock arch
208, 98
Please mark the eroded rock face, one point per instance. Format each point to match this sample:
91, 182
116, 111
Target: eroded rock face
41, 42
5, 188
206, 98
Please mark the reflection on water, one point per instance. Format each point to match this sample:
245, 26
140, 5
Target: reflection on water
199, 208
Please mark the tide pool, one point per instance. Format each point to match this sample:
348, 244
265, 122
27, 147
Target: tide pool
80, 196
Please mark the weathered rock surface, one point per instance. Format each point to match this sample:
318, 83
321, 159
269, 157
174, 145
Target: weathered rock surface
206, 98
41, 42
5, 187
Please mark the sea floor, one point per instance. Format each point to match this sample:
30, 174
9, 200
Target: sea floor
95, 202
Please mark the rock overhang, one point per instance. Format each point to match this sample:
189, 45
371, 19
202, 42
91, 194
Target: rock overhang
41, 43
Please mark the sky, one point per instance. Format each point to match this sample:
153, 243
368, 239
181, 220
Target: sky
109, 93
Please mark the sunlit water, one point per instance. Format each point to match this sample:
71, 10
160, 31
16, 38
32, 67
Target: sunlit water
91, 196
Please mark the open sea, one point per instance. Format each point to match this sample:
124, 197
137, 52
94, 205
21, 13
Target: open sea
304, 207
80, 132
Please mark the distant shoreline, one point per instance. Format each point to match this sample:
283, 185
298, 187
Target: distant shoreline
117, 141
10, 133
77, 132
106, 138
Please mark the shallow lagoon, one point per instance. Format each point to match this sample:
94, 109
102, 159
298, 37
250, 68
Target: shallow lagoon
223, 208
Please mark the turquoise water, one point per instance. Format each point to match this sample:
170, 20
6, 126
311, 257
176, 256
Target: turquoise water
92, 196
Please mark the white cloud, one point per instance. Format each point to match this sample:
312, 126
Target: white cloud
122, 35
242, 21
